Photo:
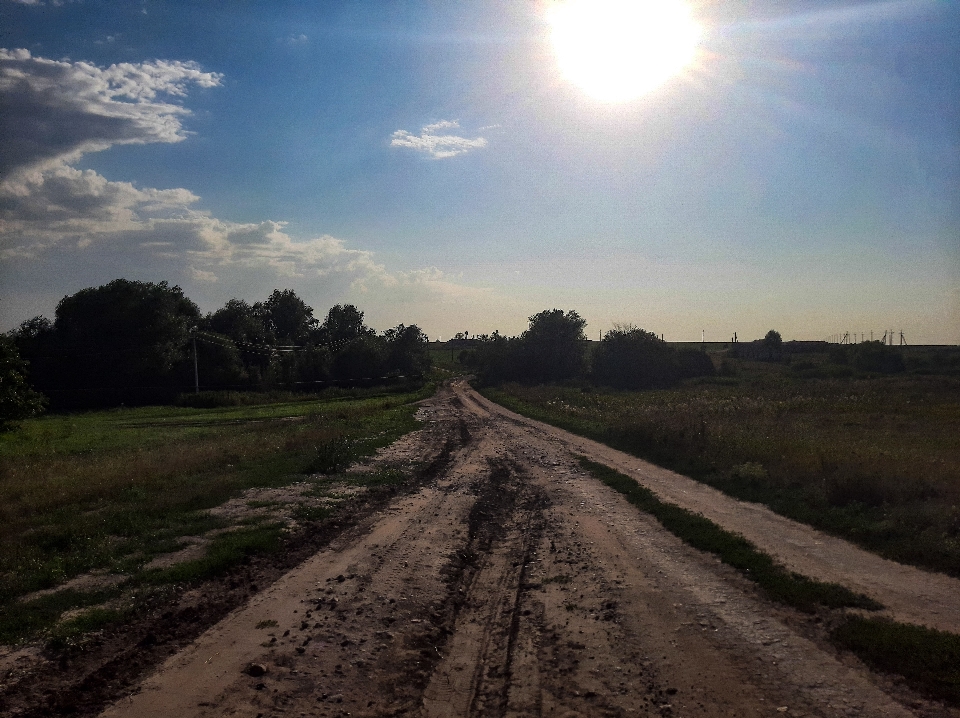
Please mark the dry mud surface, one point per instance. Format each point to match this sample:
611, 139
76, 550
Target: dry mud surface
510, 583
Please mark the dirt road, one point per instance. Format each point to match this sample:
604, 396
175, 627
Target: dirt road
513, 584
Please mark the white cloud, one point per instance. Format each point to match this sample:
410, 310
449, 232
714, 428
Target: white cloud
436, 145
53, 214
200, 275
57, 110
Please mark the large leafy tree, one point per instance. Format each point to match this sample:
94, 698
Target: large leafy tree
407, 350
553, 349
239, 321
343, 324
288, 318
124, 341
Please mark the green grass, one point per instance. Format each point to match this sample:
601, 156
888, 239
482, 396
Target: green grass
19, 619
777, 582
928, 659
875, 460
224, 552
111, 490
94, 619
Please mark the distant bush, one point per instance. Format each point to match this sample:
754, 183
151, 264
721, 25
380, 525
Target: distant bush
873, 357
632, 358
877, 357
552, 350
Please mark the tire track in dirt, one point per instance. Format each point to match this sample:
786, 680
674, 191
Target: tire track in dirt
911, 595
513, 584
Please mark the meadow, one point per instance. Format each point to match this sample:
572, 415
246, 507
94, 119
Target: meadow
108, 491
875, 459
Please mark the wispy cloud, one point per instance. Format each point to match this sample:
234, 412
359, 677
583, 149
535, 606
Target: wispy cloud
437, 145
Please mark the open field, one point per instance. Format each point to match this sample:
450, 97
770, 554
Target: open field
110, 492
503, 569
873, 459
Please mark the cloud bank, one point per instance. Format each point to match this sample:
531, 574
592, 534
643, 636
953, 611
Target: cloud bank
53, 213
438, 146
55, 111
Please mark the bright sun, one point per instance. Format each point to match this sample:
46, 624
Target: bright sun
617, 50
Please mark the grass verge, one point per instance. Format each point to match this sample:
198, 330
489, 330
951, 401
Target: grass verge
224, 552
792, 589
928, 659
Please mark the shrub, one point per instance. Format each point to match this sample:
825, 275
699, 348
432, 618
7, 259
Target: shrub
632, 358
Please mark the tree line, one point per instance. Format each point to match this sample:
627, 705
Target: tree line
130, 342
554, 349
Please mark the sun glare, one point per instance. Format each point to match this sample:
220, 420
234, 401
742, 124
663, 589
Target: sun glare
618, 50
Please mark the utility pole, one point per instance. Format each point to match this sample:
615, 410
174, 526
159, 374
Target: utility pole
196, 370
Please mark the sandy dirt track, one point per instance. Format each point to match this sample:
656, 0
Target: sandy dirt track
513, 584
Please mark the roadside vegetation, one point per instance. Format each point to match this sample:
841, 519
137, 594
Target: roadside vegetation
137, 343
928, 659
107, 492
787, 587
872, 457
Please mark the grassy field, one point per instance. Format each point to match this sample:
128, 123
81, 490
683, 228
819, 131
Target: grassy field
109, 491
875, 459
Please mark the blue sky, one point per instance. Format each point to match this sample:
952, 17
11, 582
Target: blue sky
428, 162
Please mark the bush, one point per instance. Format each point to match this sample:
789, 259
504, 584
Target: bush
553, 349
632, 358
17, 399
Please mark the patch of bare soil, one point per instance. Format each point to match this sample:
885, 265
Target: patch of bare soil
508, 583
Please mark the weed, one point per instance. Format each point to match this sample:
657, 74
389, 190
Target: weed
20, 619
331, 456
270, 623
89, 620
224, 552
